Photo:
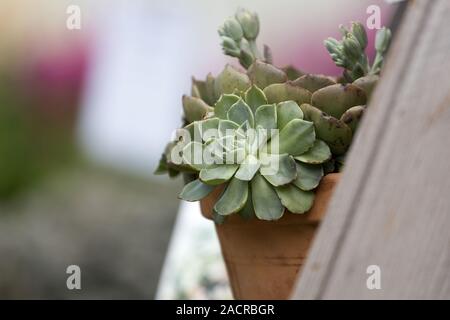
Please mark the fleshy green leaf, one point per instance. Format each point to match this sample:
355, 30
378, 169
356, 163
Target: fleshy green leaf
334, 100
266, 117
240, 112
229, 80
218, 151
334, 132
194, 108
265, 201
292, 72
201, 130
248, 168
193, 155
255, 97
195, 191
280, 92
233, 199
295, 138
313, 82
367, 83
247, 212
319, 153
218, 175
253, 141
224, 104
225, 125
235, 156
209, 129
278, 169
263, 74
353, 116
308, 176
193, 129
204, 90
286, 111
294, 199
210, 92
197, 88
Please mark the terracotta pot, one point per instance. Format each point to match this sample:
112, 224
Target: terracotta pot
263, 258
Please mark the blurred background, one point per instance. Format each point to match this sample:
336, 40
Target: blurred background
84, 116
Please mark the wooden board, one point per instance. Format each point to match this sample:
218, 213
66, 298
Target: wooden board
392, 207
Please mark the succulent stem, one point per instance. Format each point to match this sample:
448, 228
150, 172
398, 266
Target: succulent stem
238, 35
254, 48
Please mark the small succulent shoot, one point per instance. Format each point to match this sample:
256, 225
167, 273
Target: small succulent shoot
280, 158
382, 40
238, 35
349, 53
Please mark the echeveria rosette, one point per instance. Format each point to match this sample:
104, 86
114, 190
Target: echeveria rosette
205, 94
250, 187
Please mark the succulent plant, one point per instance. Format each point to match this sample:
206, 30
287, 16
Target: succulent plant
349, 53
316, 115
275, 156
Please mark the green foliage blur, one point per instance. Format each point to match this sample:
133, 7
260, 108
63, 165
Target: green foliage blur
31, 146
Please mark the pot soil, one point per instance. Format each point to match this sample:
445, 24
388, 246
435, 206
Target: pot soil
264, 258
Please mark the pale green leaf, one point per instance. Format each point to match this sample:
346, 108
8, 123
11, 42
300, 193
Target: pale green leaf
202, 130
193, 155
278, 169
233, 198
265, 201
227, 127
308, 176
248, 168
219, 174
294, 199
208, 128
319, 153
240, 113
194, 108
286, 111
224, 104
255, 97
295, 138
195, 191
266, 117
